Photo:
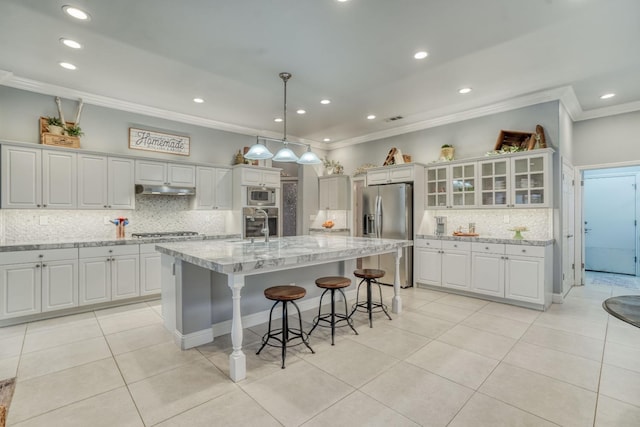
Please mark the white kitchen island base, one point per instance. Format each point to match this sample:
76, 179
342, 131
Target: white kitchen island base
195, 301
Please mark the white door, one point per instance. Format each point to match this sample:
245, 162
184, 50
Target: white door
150, 274
524, 279
487, 274
610, 224
21, 177
125, 278
92, 182
121, 181
568, 223
20, 290
223, 187
429, 264
205, 190
59, 284
95, 280
59, 180
455, 269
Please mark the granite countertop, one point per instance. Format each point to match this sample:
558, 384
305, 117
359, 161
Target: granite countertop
8, 245
241, 256
330, 230
481, 239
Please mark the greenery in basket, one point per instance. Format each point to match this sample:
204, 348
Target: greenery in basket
54, 121
332, 165
447, 146
74, 131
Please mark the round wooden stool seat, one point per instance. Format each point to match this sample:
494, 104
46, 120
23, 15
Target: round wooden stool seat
369, 273
333, 282
284, 293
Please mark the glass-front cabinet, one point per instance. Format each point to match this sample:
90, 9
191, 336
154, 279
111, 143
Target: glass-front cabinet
518, 181
451, 186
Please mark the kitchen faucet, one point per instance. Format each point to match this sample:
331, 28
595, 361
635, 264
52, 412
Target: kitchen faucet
265, 229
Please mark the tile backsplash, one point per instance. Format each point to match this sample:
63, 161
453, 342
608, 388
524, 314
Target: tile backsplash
493, 222
339, 217
152, 213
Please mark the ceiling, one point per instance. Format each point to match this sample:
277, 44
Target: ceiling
160, 54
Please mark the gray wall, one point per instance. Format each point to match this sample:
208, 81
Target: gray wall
607, 140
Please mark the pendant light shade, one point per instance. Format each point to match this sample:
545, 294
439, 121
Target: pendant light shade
285, 154
309, 158
258, 152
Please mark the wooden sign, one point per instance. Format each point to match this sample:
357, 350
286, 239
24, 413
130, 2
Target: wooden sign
140, 139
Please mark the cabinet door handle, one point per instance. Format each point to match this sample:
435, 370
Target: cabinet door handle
41, 256
105, 206
44, 206
37, 265
44, 265
38, 206
486, 247
524, 250
455, 246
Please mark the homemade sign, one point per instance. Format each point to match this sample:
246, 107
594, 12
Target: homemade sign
140, 139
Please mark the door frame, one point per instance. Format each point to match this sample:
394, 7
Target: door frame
579, 212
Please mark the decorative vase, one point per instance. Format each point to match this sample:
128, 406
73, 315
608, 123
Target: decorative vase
518, 236
56, 130
446, 153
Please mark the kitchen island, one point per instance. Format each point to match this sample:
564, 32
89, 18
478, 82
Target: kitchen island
194, 275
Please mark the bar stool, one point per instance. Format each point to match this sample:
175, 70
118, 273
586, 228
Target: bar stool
333, 283
369, 275
284, 294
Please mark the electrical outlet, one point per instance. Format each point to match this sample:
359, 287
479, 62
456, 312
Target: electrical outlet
506, 219
44, 220
107, 220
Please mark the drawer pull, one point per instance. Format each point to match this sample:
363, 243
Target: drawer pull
524, 250
486, 247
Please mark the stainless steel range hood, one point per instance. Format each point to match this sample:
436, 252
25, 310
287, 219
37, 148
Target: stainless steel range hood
165, 190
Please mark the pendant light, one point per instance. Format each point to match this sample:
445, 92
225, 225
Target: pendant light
309, 158
258, 151
285, 154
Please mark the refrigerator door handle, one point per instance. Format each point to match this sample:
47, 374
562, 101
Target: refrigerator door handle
378, 217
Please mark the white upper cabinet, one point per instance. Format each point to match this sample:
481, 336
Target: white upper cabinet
105, 182
37, 178
451, 186
519, 181
390, 175
213, 188
333, 192
160, 173
263, 177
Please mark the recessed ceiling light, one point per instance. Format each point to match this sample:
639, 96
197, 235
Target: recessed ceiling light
325, 101
421, 55
76, 13
608, 95
371, 117
71, 43
327, 139
464, 90
198, 100
301, 111
68, 66
342, 1
277, 119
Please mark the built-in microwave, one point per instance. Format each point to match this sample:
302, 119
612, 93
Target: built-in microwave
261, 196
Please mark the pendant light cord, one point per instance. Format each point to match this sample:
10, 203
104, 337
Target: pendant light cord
285, 77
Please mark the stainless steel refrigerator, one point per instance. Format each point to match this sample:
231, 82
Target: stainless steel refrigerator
387, 212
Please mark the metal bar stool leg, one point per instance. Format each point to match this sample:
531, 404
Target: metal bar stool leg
305, 341
264, 341
355, 306
346, 310
369, 307
315, 324
381, 302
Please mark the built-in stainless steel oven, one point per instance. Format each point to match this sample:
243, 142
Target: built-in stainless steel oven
253, 222
261, 196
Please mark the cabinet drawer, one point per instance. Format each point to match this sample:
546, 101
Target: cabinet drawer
456, 245
427, 243
401, 174
100, 251
17, 257
535, 251
488, 248
148, 248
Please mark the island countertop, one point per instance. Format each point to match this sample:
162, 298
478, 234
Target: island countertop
241, 256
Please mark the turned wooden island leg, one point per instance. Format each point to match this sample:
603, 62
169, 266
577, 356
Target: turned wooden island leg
396, 302
237, 359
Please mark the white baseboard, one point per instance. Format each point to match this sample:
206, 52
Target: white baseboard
193, 339
557, 299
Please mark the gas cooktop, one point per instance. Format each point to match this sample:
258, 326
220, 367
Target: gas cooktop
165, 234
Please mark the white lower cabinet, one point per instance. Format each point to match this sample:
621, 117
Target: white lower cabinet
513, 272
109, 273
443, 263
149, 269
35, 281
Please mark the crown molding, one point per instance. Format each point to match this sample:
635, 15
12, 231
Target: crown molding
442, 117
613, 110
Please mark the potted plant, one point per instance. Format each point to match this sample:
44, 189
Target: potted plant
332, 166
446, 152
74, 131
55, 126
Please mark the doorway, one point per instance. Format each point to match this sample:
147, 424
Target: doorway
610, 220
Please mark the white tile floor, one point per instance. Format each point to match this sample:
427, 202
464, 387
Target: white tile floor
446, 360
